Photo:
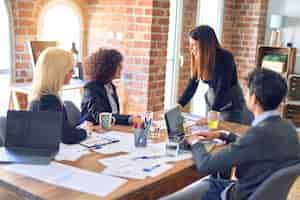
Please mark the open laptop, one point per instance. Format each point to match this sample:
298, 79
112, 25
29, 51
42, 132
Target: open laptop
31, 137
175, 128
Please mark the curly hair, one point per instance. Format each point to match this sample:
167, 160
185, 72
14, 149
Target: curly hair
103, 64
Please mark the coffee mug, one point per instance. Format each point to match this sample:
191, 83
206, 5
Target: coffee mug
106, 120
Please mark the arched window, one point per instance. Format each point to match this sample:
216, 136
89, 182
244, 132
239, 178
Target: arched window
5, 55
61, 21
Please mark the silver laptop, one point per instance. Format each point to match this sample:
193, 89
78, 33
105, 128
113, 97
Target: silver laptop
31, 137
174, 121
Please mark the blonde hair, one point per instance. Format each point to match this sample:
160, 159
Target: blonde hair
52, 66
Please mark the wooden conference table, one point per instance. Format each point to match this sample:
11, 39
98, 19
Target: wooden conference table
183, 173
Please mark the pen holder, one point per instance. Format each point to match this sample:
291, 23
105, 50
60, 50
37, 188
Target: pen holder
140, 137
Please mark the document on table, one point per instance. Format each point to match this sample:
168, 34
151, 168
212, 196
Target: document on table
125, 145
69, 177
137, 163
71, 152
128, 167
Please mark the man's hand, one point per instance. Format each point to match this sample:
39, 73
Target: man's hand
208, 136
202, 121
202, 136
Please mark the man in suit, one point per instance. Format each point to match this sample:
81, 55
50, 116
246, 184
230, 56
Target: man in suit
269, 144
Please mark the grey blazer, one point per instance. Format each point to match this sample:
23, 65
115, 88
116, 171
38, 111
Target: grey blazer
265, 148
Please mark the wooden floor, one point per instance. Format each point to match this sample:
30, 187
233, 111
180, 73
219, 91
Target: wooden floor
294, 193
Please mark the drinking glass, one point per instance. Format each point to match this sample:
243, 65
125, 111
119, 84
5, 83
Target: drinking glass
213, 119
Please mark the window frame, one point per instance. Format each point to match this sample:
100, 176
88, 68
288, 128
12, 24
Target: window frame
76, 9
11, 71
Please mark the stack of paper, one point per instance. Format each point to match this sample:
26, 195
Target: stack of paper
70, 177
71, 152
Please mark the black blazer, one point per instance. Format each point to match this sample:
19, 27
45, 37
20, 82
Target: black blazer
71, 135
95, 101
224, 78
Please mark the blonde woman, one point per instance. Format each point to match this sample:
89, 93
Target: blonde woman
53, 70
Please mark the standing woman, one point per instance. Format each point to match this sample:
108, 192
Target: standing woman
53, 70
215, 66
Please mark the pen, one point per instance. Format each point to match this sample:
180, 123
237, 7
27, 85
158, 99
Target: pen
151, 168
147, 157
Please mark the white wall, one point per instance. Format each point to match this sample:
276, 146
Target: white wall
291, 30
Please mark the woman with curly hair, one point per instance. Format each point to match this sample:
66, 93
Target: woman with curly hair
100, 94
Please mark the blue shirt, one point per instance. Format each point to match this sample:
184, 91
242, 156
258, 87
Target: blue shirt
264, 116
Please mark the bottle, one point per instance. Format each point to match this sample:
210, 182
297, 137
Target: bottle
75, 54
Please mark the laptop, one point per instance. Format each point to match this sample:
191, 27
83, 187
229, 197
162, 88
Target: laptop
31, 137
175, 129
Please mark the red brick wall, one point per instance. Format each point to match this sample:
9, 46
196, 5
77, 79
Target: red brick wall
25, 29
138, 28
243, 30
25, 15
188, 22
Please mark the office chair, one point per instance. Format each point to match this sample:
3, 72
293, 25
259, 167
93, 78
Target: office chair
277, 186
73, 113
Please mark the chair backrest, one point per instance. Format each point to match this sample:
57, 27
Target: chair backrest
2, 129
36, 47
277, 186
73, 113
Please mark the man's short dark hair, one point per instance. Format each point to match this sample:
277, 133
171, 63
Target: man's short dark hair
268, 86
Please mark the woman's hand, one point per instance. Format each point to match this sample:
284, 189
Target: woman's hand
90, 127
136, 119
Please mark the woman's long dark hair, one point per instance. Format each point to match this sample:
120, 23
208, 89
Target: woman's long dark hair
208, 44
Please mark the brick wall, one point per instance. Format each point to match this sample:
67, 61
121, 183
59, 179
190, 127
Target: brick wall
25, 15
25, 29
243, 30
188, 23
138, 28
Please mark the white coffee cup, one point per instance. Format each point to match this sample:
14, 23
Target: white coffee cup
106, 120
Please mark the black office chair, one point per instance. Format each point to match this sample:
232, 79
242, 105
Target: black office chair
73, 113
278, 185
2, 129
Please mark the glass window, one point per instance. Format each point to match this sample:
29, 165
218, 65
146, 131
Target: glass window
5, 56
60, 23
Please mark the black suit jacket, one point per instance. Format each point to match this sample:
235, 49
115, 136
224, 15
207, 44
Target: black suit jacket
95, 101
265, 148
224, 79
70, 135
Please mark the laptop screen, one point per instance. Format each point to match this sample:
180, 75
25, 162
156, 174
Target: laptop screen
174, 122
33, 130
